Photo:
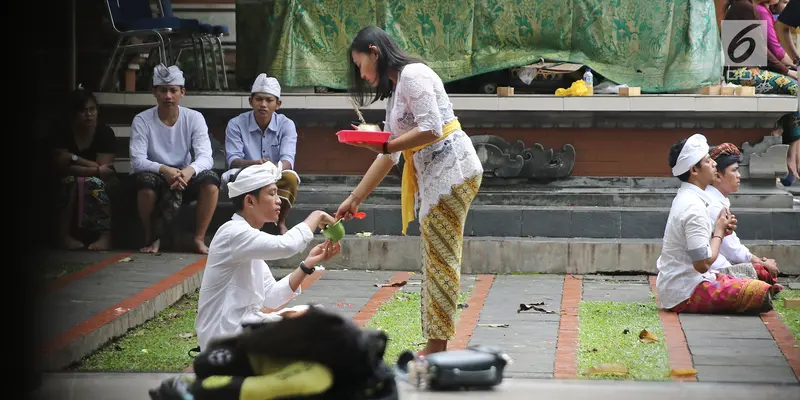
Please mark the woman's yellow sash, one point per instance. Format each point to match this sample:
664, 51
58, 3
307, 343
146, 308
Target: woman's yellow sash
409, 185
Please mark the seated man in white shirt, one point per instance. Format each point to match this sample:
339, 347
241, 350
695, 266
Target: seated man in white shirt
261, 135
237, 284
162, 140
734, 258
692, 240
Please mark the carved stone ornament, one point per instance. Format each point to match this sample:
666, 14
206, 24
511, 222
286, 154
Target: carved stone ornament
503, 160
764, 161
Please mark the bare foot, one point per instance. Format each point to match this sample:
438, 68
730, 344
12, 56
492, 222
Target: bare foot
70, 243
200, 246
282, 228
152, 248
103, 243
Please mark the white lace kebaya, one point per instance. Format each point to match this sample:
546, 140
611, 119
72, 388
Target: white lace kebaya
419, 100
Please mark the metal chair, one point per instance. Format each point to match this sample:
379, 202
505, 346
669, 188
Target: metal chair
204, 33
134, 19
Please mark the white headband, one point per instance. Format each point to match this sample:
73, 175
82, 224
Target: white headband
263, 84
172, 76
254, 177
693, 151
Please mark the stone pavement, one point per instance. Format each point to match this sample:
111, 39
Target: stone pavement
530, 338
734, 349
116, 295
134, 386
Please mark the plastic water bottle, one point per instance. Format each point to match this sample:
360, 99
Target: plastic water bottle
588, 79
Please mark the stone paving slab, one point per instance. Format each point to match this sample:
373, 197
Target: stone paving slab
105, 288
720, 322
530, 338
723, 359
352, 288
744, 333
713, 339
698, 353
746, 374
52, 257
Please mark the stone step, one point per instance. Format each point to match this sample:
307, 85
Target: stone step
539, 195
566, 222
485, 255
497, 222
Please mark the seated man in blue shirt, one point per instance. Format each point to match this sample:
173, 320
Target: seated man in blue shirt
261, 135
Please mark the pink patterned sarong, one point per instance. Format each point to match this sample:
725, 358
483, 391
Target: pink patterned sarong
728, 295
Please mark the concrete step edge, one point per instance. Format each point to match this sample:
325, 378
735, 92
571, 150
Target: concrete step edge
497, 255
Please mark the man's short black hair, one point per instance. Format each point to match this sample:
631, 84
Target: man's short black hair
674, 152
238, 201
726, 161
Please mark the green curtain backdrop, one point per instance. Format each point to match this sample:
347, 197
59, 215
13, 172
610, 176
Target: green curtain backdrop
659, 45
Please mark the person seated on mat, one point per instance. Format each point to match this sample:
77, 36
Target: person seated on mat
734, 258
692, 241
237, 284
165, 174
261, 135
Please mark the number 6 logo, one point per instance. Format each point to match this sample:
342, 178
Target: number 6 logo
744, 43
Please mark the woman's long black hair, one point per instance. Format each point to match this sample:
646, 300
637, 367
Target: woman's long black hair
390, 56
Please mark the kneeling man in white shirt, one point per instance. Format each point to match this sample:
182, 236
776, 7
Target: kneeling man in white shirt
237, 284
692, 241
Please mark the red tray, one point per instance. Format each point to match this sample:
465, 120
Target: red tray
351, 136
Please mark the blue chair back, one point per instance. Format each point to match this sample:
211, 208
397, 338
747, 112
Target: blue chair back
123, 12
166, 8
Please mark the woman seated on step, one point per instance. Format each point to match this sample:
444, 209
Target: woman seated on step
83, 157
777, 77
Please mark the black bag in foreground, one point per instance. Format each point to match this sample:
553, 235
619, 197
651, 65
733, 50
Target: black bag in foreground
285, 359
474, 367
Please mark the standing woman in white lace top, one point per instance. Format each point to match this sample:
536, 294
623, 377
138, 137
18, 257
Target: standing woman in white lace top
441, 174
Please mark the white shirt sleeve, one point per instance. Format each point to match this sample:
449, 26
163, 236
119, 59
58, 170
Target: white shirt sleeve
253, 244
277, 293
234, 144
387, 127
734, 250
697, 231
201, 143
140, 131
288, 142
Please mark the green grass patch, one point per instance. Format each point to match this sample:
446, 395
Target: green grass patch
609, 333
400, 319
789, 316
159, 345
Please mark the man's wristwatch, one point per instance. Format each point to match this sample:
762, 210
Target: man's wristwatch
74, 158
306, 270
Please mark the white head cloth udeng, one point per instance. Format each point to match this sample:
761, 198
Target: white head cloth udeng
693, 151
268, 85
163, 76
254, 177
